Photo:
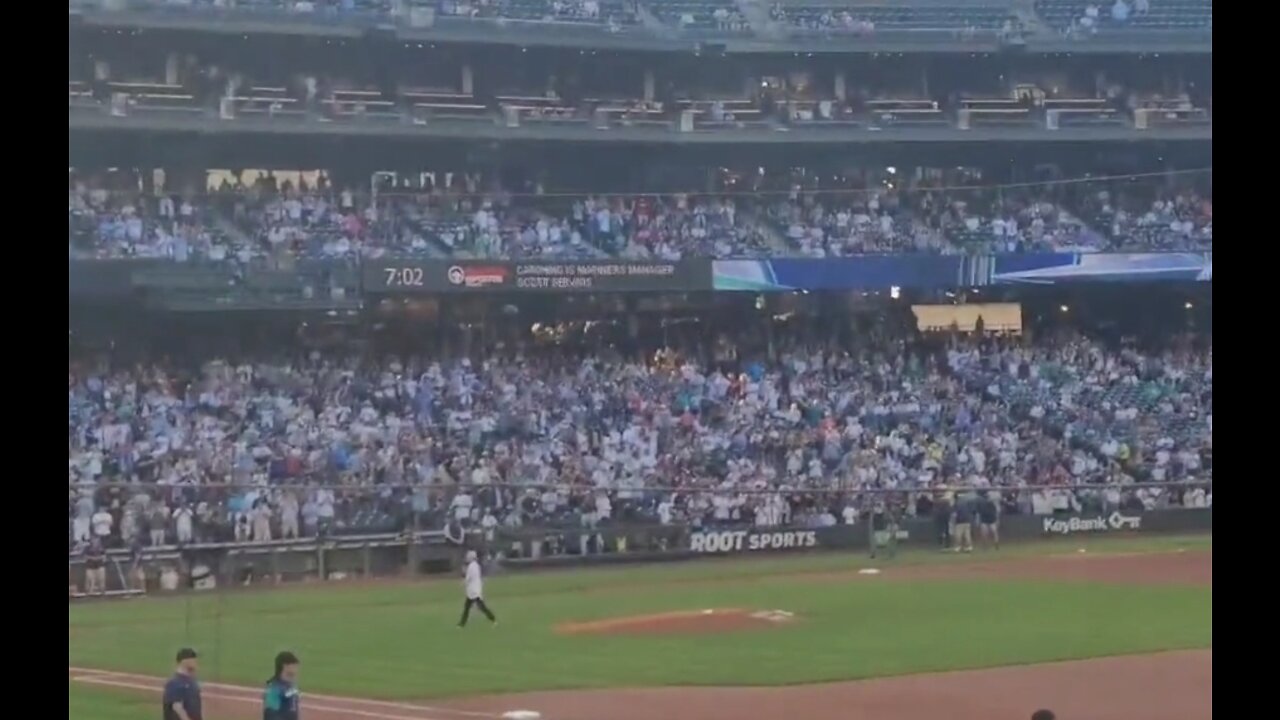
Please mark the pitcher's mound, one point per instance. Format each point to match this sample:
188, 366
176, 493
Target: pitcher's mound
715, 620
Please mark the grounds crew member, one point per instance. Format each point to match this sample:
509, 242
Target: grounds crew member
182, 692
280, 699
962, 536
942, 518
988, 520
883, 527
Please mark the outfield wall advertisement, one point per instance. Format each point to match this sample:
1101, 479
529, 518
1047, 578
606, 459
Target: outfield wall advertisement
529, 547
639, 544
730, 541
1088, 524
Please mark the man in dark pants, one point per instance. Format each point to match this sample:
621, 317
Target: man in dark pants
280, 699
474, 587
883, 528
95, 569
962, 535
182, 692
988, 521
942, 520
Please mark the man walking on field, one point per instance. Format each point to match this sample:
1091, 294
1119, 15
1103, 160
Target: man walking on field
474, 586
280, 699
182, 692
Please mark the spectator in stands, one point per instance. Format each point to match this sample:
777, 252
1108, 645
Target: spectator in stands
158, 522
1120, 11
183, 520
95, 568
261, 520
102, 522
289, 515
1089, 21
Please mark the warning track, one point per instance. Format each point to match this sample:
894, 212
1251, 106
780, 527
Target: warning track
1162, 686
236, 702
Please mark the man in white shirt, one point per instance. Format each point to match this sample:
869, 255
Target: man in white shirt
182, 518
261, 516
473, 586
664, 511
289, 516
849, 514
102, 522
488, 524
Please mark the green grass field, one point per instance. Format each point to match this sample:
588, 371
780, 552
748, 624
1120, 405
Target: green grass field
100, 704
399, 640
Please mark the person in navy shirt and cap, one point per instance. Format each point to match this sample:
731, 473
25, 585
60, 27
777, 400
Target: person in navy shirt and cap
182, 692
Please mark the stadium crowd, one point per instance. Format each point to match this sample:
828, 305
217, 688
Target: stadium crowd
269, 220
545, 438
1065, 15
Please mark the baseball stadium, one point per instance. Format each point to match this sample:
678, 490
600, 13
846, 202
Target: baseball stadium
640, 360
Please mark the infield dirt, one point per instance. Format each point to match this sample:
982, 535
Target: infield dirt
685, 622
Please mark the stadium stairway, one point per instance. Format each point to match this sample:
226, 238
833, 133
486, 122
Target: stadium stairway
1025, 11
651, 22
772, 233
228, 227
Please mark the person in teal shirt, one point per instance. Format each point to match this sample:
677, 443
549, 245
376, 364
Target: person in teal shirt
280, 699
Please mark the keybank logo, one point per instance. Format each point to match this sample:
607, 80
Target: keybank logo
1097, 523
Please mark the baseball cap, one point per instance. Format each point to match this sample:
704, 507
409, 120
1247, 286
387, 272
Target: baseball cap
186, 654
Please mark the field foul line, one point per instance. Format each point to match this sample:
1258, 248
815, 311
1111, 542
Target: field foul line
1104, 554
109, 677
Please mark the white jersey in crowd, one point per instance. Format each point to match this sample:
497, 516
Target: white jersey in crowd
474, 584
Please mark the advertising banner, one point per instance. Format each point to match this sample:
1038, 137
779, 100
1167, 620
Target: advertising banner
1084, 524
665, 543
1034, 527
1054, 268
474, 276
728, 541
868, 272
881, 272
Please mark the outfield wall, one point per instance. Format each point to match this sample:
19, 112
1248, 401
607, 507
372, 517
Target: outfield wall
222, 565
565, 549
